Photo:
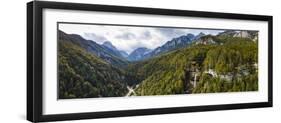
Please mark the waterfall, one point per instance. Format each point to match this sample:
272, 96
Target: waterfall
194, 82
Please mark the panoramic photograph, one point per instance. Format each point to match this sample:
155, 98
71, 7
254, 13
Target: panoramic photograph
107, 60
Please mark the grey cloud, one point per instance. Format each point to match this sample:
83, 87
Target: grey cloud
145, 36
170, 32
126, 36
95, 37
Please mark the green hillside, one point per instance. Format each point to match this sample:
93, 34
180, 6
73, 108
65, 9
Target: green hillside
92, 47
168, 74
84, 75
209, 64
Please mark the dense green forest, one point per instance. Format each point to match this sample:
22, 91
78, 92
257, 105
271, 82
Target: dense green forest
84, 75
227, 64
168, 74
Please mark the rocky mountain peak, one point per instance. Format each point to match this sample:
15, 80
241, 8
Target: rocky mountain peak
109, 45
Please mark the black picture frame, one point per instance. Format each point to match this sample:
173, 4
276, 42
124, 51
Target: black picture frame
35, 69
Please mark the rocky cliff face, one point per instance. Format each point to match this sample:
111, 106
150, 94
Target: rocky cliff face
253, 35
206, 40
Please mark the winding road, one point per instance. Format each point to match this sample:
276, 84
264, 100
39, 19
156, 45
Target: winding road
131, 91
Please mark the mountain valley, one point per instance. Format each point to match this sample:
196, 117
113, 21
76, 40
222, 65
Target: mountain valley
188, 64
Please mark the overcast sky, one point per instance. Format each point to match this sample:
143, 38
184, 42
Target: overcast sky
128, 38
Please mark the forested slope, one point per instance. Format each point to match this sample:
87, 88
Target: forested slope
233, 62
83, 75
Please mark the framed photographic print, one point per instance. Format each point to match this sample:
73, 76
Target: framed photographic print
95, 61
